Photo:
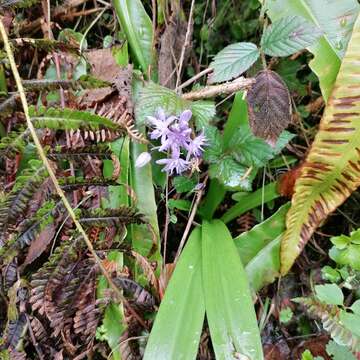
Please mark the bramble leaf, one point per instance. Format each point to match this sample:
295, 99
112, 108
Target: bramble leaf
232, 61
288, 35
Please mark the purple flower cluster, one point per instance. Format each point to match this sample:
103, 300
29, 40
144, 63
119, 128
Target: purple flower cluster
176, 140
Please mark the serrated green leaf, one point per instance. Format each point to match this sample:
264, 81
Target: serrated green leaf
179, 321
184, 184
253, 151
288, 35
231, 173
330, 294
153, 96
233, 60
229, 308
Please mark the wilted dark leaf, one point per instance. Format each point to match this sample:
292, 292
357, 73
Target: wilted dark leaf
269, 106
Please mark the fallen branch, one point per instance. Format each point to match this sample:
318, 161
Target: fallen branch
215, 90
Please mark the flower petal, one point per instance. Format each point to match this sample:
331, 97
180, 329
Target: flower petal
142, 159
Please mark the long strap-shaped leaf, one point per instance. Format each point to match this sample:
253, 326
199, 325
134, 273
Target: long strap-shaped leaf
332, 169
229, 308
138, 29
177, 328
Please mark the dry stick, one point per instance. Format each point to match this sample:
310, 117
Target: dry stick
186, 43
211, 91
194, 78
190, 221
52, 174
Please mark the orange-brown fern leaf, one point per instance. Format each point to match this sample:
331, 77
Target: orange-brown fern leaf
331, 171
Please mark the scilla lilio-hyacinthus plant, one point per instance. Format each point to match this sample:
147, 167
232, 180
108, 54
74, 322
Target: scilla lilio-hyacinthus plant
183, 150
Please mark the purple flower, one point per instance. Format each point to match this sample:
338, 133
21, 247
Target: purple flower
184, 119
161, 124
195, 146
176, 140
178, 165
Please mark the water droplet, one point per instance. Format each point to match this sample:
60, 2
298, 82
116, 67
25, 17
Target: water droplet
343, 22
191, 267
339, 45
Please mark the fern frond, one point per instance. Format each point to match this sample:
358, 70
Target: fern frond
19, 4
71, 183
13, 207
47, 45
111, 217
99, 150
85, 82
330, 318
8, 105
140, 297
14, 142
331, 171
67, 119
15, 331
124, 119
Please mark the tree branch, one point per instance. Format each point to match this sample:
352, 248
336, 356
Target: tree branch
211, 91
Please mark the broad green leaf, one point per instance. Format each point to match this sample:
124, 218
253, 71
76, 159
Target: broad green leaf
264, 268
351, 322
335, 19
341, 241
339, 352
330, 274
251, 200
331, 171
253, 241
355, 307
229, 308
152, 97
233, 60
347, 256
288, 35
137, 26
179, 321
330, 294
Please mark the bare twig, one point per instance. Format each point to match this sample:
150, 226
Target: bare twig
186, 44
194, 78
190, 221
211, 91
52, 175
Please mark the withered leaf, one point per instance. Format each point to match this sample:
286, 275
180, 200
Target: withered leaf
40, 244
269, 106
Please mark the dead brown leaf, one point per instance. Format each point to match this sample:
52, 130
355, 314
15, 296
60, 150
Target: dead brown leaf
269, 106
